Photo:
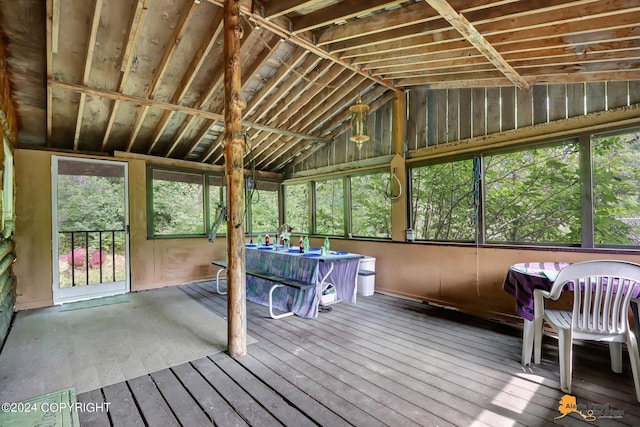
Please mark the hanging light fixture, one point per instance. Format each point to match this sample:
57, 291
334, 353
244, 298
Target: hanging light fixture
359, 112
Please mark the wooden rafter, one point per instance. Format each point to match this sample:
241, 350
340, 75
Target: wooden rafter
334, 102
53, 31
381, 23
283, 31
339, 12
476, 39
308, 149
210, 39
312, 68
171, 46
304, 106
283, 106
91, 46
145, 102
314, 114
214, 86
252, 70
294, 61
487, 20
133, 35
278, 8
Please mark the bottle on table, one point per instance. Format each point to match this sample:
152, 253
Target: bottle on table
306, 243
259, 239
325, 246
301, 244
266, 239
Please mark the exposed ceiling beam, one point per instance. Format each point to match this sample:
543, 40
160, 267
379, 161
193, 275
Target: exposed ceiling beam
88, 60
283, 31
170, 48
135, 29
278, 8
171, 107
197, 61
259, 61
369, 99
339, 12
474, 37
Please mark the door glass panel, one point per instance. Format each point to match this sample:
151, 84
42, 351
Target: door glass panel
91, 223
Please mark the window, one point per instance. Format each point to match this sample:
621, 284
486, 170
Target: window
177, 203
533, 196
371, 205
442, 201
217, 201
264, 208
616, 189
330, 207
296, 207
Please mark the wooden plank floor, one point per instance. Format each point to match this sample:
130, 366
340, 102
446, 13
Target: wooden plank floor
383, 361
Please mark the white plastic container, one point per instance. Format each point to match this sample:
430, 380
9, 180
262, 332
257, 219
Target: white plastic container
366, 284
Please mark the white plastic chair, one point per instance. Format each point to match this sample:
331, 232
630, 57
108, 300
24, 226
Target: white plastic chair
602, 293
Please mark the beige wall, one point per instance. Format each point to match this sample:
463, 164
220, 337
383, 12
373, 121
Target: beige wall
458, 276
154, 263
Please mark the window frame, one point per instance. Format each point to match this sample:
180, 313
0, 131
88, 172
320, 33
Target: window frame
583, 142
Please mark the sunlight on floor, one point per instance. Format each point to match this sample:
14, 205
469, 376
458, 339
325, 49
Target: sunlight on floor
492, 419
518, 392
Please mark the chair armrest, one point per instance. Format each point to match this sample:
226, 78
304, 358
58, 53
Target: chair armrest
539, 296
542, 293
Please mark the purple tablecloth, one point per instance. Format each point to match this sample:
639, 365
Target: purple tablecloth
342, 270
523, 278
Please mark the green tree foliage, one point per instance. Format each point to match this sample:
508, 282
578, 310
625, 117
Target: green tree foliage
533, 196
442, 202
297, 207
264, 211
330, 207
91, 203
616, 189
371, 205
178, 207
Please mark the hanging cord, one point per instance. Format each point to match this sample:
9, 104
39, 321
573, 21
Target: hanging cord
388, 192
250, 183
477, 182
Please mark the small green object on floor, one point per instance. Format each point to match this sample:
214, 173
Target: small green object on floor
55, 409
96, 302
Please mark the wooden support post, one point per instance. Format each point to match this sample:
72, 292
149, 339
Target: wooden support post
399, 205
234, 154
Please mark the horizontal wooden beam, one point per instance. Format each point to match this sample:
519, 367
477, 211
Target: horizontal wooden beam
353, 167
172, 107
176, 163
571, 127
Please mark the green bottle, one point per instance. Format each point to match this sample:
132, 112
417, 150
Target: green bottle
306, 244
259, 239
325, 247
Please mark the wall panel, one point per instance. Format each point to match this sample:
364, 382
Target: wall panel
154, 263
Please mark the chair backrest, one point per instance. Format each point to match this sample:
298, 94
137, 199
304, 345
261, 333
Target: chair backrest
602, 293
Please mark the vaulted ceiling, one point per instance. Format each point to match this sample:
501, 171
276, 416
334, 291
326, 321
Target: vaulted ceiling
146, 76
